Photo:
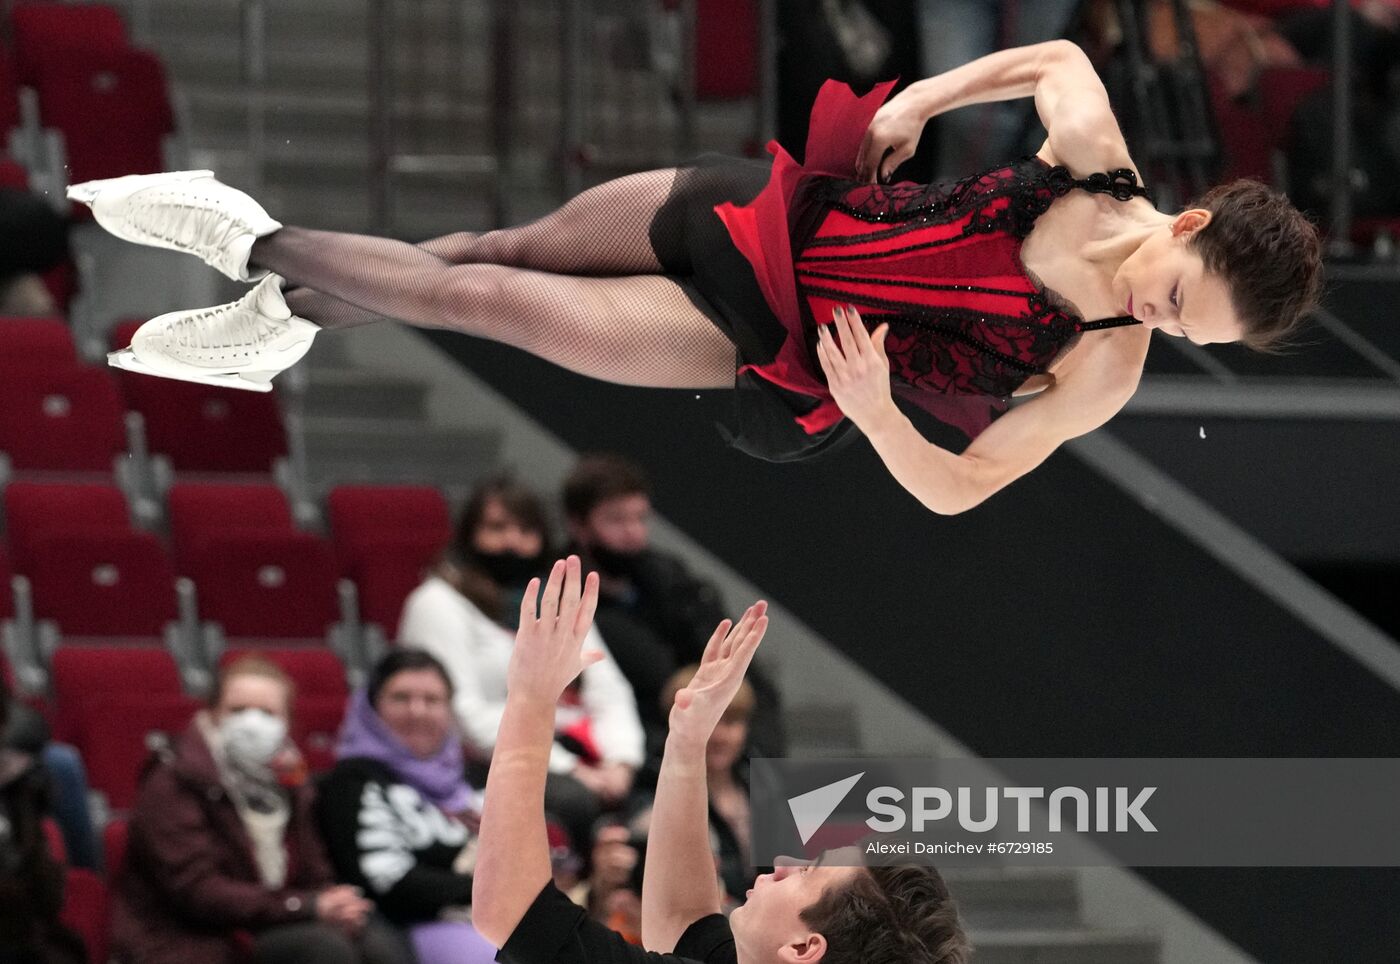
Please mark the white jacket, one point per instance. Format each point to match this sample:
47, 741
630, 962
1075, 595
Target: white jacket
476, 652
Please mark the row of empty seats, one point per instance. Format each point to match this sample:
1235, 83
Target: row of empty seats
107, 100
256, 573
57, 414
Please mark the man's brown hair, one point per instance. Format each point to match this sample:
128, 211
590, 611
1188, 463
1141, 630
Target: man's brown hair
890, 915
600, 477
1269, 255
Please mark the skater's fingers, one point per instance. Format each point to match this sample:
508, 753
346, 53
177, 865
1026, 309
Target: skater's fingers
549, 599
851, 338
588, 605
827, 353
740, 628
528, 603
712, 648
569, 595
877, 340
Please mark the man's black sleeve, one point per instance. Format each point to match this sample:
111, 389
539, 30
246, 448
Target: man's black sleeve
555, 930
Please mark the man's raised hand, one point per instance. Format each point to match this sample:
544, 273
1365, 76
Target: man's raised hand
548, 645
699, 706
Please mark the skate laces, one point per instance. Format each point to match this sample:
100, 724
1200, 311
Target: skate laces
182, 220
224, 329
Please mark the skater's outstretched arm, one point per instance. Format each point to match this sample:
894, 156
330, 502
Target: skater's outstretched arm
858, 375
677, 890
1069, 97
512, 864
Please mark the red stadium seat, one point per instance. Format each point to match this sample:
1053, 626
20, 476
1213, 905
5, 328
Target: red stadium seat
87, 678
201, 428
199, 511
9, 111
35, 510
117, 732
112, 108
726, 49
87, 909
104, 584
321, 697
386, 576
7, 596
56, 31
364, 516
53, 837
266, 586
114, 840
37, 343
385, 537
69, 420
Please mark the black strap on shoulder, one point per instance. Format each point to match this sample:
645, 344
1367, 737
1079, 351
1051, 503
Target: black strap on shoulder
1121, 183
1102, 323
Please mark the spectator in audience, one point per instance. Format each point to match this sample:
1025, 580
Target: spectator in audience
654, 613
224, 856
31, 881
464, 614
955, 32
29, 733
727, 777
397, 812
33, 239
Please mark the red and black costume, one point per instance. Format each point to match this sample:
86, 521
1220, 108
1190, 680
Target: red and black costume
941, 263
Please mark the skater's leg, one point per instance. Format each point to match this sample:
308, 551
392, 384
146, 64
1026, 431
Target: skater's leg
638, 224
638, 330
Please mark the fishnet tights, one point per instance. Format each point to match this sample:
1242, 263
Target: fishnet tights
597, 287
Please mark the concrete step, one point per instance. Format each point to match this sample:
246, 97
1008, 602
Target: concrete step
822, 729
353, 392
1075, 946
1016, 897
381, 451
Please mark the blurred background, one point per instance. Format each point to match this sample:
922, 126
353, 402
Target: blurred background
1213, 574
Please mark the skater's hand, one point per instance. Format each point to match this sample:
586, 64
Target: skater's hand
857, 369
547, 655
699, 706
890, 140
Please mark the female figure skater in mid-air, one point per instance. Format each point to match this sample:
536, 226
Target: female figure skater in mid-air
1044, 275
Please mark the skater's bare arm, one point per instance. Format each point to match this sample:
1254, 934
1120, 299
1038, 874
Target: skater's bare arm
1069, 97
858, 375
512, 863
679, 886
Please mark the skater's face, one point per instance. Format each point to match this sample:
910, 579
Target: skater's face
769, 925
1166, 286
416, 706
622, 524
500, 531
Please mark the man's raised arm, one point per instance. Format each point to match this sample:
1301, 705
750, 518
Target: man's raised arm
680, 885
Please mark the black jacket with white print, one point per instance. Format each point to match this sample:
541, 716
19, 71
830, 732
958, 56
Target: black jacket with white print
382, 835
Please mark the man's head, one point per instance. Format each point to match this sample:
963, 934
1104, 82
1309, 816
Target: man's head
607, 503
826, 913
1240, 265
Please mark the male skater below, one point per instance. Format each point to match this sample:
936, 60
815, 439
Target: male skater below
799, 914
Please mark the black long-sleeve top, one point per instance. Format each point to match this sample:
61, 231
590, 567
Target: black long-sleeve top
383, 836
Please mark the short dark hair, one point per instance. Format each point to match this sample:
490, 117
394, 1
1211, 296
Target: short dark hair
890, 915
402, 660
1269, 255
598, 477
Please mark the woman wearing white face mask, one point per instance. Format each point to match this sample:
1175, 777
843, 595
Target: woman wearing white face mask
223, 856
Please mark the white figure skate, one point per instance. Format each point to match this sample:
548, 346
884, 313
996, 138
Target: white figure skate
242, 344
187, 211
